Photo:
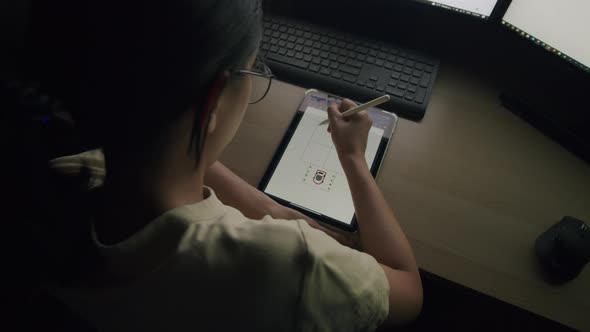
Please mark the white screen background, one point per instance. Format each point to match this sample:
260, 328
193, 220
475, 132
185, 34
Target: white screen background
563, 24
310, 150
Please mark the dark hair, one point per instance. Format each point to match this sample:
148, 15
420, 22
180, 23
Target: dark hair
141, 64
126, 70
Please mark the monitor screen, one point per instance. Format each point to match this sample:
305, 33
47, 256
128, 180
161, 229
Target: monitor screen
479, 8
561, 27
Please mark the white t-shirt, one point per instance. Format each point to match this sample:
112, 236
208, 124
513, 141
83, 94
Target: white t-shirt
206, 267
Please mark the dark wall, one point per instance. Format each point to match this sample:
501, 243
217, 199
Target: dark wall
14, 18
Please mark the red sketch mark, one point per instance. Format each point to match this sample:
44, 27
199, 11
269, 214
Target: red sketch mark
319, 177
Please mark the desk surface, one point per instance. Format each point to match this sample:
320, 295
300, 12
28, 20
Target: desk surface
472, 186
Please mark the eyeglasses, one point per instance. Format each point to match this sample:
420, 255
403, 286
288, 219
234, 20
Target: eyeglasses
261, 80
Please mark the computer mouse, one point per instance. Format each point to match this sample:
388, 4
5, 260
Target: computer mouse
564, 249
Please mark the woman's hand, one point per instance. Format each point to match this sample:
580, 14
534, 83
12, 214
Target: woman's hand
349, 134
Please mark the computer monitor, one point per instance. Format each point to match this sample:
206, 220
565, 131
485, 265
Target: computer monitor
561, 27
478, 8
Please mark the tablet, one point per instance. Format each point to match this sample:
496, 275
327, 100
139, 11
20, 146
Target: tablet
305, 172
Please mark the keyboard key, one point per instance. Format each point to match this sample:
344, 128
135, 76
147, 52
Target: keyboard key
273, 41
290, 46
337, 74
307, 57
324, 40
308, 43
315, 68
425, 80
402, 86
379, 62
341, 44
288, 60
343, 52
419, 66
325, 63
373, 53
291, 53
380, 88
352, 54
298, 33
282, 43
342, 59
325, 71
354, 63
361, 49
325, 47
283, 29
361, 57
299, 56
391, 58
417, 73
414, 81
298, 48
400, 61
306, 50
276, 34
332, 42
315, 52
382, 56
393, 83
324, 55
349, 78
284, 36
405, 77
334, 65
428, 68
412, 88
409, 96
374, 78
398, 68
315, 37
267, 32
292, 39
410, 63
317, 60
420, 96
265, 47
370, 59
334, 50
333, 57
408, 71
398, 93
370, 84
350, 70
388, 65
317, 45
361, 82
307, 35
283, 51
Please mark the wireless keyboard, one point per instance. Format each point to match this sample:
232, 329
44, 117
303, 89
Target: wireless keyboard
349, 66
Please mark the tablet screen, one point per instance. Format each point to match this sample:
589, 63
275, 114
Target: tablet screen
309, 174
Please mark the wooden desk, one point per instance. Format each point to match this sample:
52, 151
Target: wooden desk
472, 186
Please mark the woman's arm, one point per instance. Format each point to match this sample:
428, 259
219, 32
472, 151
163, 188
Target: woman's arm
232, 190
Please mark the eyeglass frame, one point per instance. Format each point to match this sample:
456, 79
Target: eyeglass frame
268, 75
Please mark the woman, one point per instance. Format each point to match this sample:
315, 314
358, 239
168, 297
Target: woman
182, 242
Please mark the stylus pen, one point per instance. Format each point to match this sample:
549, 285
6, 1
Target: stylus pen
362, 107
